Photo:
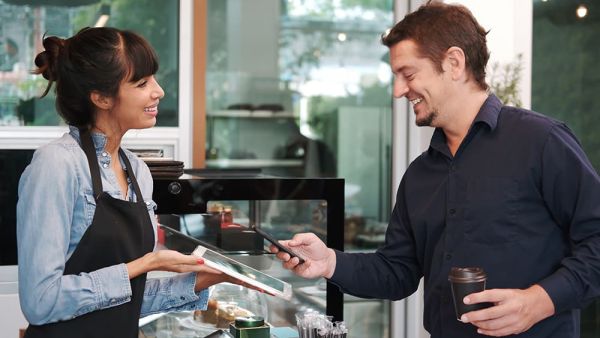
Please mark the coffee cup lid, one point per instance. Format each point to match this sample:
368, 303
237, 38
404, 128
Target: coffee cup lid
466, 275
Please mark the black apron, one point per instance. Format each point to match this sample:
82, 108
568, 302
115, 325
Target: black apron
120, 232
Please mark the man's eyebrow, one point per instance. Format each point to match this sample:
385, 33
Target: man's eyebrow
403, 68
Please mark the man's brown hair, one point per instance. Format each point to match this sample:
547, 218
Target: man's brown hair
435, 27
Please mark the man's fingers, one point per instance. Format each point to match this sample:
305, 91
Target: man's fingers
487, 296
300, 268
290, 264
485, 314
273, 249
499, 327
494, 324
284, 256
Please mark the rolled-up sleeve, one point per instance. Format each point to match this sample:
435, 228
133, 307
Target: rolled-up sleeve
175, 293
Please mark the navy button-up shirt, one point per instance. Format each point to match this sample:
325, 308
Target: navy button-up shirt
519, 199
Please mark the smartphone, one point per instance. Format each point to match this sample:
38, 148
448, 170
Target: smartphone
275, 242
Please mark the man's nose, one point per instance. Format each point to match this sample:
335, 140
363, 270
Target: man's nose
400, 88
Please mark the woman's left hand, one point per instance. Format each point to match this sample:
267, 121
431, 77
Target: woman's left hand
208, 276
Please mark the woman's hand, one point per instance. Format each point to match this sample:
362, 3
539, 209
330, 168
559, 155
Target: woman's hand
208, 276
164, 260
174, 261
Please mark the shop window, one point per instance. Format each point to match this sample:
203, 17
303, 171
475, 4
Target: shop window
24, 22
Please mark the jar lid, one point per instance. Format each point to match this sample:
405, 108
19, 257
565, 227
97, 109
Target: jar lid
250, 321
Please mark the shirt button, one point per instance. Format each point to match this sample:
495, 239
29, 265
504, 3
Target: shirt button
112, 300
104, 153
448, 256
105, 165
147, 203
452, 211
182, 298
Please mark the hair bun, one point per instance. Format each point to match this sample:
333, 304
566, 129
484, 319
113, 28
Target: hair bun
46, 61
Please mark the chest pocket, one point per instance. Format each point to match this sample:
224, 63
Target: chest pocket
90, 204
491, 210
89, 207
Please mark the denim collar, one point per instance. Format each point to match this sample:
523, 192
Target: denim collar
98, 138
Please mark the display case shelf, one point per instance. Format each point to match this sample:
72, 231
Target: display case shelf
259, 114
253, 163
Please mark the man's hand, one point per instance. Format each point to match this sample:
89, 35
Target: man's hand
319, 259
514, 311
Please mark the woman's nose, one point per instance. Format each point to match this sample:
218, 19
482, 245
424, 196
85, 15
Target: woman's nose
158, 91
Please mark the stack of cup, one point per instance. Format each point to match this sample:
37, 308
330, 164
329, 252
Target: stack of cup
312, 324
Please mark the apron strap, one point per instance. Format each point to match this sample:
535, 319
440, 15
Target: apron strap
90, 152
136, 187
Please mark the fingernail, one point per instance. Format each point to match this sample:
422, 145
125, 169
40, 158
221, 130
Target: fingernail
466, 300
200, 261
464, 318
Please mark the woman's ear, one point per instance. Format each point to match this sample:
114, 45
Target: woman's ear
454, 62
101, 101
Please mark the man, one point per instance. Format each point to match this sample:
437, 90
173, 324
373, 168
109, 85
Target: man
501, 188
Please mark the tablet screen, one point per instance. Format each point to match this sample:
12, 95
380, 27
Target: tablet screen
225, 264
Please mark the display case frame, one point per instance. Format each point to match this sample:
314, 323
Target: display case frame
191, 193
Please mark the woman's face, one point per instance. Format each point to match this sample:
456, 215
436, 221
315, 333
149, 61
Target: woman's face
136, 105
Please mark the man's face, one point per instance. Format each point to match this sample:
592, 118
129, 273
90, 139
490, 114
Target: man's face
417, 79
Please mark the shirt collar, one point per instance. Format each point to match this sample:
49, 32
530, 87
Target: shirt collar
488, 114
98, 138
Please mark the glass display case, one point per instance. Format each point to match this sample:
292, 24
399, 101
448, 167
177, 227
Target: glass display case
216, 209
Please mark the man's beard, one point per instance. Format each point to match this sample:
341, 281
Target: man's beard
427, 120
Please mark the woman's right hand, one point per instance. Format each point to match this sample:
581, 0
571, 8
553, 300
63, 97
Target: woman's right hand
164, 260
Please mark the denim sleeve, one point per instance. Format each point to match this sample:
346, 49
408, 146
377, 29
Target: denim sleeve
48, 195
571, 190
174, 293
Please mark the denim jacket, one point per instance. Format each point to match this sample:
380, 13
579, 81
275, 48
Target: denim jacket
55, 208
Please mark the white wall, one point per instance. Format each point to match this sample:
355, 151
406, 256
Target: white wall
510, 32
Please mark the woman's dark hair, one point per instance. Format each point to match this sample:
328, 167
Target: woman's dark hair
435, 27
94, 59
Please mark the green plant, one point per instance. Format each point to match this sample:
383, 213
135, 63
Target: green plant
504, 81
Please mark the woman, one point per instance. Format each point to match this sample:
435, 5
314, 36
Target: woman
85, 216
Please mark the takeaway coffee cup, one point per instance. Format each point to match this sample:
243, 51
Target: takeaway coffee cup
465, 281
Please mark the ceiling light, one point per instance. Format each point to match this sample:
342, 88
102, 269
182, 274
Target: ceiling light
103, 15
